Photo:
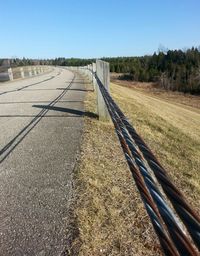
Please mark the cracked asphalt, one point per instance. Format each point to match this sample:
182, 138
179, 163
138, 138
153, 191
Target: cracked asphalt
41, 121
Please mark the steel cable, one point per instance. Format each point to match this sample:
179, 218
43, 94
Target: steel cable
187, 215
180, 240
150, 206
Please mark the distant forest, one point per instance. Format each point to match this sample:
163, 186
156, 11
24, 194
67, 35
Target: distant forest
173, 69
176, 70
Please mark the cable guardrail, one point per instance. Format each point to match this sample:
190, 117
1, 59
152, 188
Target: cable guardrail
167, 215
176, 237
186, 214
137, 164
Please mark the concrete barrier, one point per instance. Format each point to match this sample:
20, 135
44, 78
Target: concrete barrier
4, 75
26, 71
9, 74
17, 74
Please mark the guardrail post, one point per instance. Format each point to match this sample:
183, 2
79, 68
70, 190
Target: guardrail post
103, 73
38, 70
22, 72
30, 71
93, 75
10, 74
34, 70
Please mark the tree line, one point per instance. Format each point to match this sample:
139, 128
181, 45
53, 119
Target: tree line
176, 70
17, 62
172, 69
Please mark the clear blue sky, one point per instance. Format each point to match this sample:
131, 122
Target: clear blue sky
86, 28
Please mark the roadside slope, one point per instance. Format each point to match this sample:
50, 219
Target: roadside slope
180, 116
172, 131
109, 211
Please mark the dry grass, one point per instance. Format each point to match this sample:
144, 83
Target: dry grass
153, 89
171, 131
110, 214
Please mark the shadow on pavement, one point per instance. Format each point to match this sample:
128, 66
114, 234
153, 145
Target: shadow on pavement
67, 110
80, 90
42, 101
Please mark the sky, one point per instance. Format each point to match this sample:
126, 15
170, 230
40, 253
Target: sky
94, 29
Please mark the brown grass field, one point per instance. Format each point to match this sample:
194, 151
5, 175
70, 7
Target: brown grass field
109, 212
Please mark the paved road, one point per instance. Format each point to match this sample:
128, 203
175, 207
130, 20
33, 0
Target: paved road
40, 129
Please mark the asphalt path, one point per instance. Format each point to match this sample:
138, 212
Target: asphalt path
40, 128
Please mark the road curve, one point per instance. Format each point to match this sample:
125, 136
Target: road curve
41, 125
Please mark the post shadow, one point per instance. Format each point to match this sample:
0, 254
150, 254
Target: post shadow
68, 110
80, 90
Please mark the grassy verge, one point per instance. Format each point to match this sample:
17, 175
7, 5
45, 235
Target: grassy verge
109, 212
154, 90
177, 148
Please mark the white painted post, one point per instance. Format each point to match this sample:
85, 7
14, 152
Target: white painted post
30, 71
103, 73
37, 70
22, 72
93, 75
10, 74
85, 71
34, 71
